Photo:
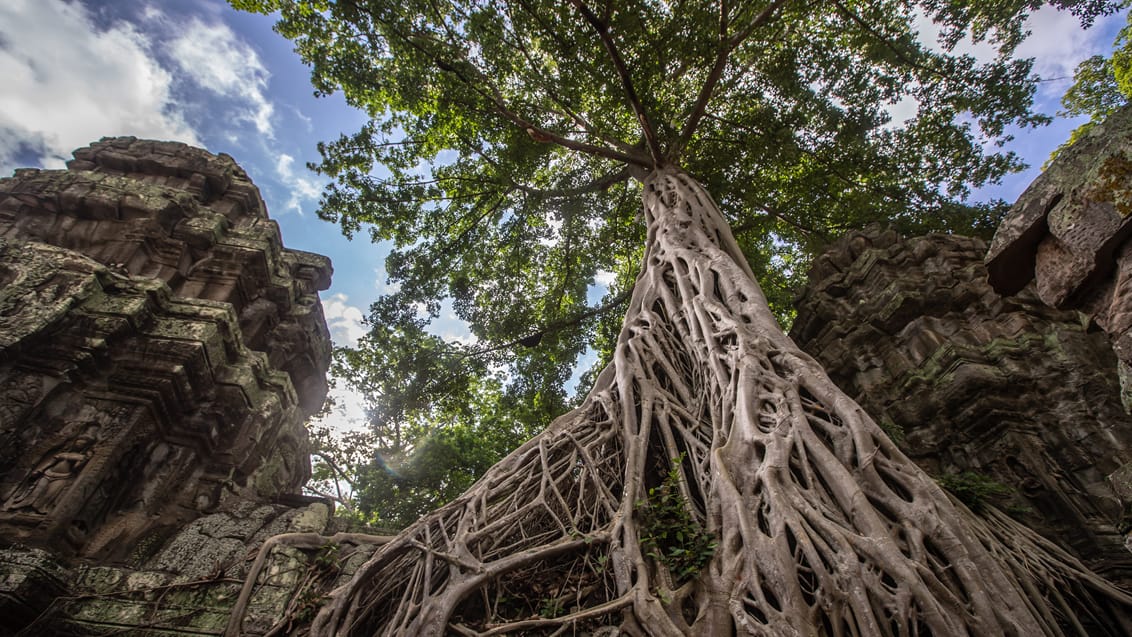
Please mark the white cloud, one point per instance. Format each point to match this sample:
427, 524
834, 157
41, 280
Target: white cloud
284, 163
346, 327
345, 321
302, 187
381, 281
214, 58
554, 225
67, 83
1058, 44
902, 110
929, 33
462, 337
349, 411
605, 277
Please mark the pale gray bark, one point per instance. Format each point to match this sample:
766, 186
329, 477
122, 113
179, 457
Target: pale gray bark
823, 525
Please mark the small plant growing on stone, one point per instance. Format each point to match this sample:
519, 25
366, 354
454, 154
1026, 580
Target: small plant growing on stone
895, 432
973, 489
327, 559
550, 608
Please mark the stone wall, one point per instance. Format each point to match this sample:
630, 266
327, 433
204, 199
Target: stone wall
1068, 233
160, 351
970, 381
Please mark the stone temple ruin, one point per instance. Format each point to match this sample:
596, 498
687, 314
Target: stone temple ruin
1005, 370
968, 381
161, 347
160, 351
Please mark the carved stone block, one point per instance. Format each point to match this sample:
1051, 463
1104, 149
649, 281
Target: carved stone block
1068, 233
160, 349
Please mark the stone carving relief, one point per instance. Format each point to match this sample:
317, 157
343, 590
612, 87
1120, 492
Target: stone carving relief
55, 472
159, 347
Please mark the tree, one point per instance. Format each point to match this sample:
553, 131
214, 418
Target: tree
438, 415
1100, 86
713, 480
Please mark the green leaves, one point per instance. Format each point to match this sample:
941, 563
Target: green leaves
1095, 90
500, 128
394, 490
670, 535
1100, 86
974, 489
505, 134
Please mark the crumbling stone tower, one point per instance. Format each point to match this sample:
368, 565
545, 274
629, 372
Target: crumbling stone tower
159, 349
973, 383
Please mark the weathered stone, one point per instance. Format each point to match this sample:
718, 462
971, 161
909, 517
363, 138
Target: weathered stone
1068, 232
160, 351
191, 585
30, 581
1005, 387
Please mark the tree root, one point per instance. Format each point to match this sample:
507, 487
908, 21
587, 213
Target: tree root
823, 526
301, 541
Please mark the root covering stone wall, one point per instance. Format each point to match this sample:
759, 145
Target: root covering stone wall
976, 386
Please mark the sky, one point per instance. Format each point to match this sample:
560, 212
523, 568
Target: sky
199, 72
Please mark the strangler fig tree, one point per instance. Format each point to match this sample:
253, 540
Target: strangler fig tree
518, 148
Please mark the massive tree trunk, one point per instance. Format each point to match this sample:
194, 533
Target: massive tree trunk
820, 525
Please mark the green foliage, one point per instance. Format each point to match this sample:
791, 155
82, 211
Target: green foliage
550, 607
335, 459
500, 159
438, 418
669, 533
974, 489
394, 492
894, 431
795, 142
439, 451
1100, 86
326, 561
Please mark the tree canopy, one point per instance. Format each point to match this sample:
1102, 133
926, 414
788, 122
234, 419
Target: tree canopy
714, 480
1100, 85
505, 136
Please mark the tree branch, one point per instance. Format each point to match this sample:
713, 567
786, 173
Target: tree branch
531, 340
762, 18
495, 97
336, 469
626, 81
724, 48
807, 231
601, 183
548, 87
328, 496
891, 46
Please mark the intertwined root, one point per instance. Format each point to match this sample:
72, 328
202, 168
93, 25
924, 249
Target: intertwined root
822, 526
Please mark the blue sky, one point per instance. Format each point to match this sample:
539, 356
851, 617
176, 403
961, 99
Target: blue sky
200, 72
